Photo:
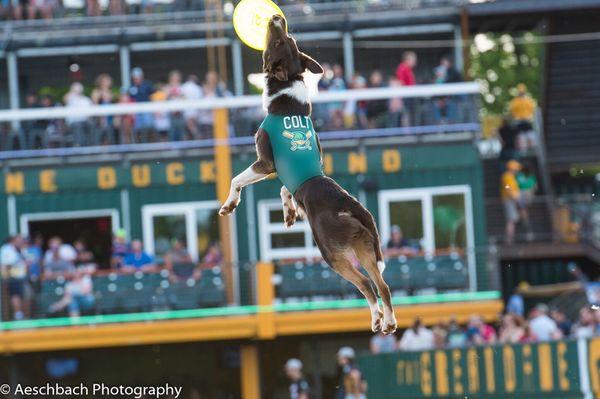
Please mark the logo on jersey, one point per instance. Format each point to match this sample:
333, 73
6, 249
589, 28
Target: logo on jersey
298, 139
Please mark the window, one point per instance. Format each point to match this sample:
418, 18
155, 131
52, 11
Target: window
193, 223
279, 242
438, 220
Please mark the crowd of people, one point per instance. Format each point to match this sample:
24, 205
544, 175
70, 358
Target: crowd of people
77, 131
26, 262
541, 324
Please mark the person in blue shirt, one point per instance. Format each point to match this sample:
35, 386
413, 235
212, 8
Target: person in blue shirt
137, 259
140, 91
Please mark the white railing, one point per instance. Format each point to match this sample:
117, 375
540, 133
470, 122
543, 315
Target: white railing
421, 91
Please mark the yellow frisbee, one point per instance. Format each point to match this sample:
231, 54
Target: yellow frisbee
251, 19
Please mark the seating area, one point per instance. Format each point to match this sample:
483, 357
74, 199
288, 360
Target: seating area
306, 281
139, 292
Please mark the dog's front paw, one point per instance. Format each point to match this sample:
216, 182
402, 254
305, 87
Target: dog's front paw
227, 208
290, 217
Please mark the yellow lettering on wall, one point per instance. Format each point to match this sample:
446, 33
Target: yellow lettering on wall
47, 181
357, 163
563, 380
473, 370
175, 173
545, 367
593, 358
426, 383
328, 164
140, 175
207, 172
510, 375
400, 367
527, 368
390, 161
107, 178
441, 373
490, 378
14, 183
457, 373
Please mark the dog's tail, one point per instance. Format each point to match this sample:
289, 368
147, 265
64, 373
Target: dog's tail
360, 213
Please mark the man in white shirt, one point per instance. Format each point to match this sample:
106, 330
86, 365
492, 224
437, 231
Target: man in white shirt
417, 338
541, 325
14, 272
80, 129
191, 90
59, 258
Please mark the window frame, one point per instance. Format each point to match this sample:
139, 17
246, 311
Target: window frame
266, 229
188, 210
425, 195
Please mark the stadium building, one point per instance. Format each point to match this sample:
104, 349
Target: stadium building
120, 134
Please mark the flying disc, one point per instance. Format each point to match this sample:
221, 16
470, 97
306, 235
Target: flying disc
251, 20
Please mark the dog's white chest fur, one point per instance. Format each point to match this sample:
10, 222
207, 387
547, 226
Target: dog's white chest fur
297, 91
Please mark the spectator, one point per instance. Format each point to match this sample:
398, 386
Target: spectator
140, 91
440, 335
179, 262
381, 343
528, 336
212, 88
405, 71
103, 95
213, 256
162, 120
510, 194
511, 330
522, 110
542, 326
376, 109
515, 304
85, 257
416, 338
395, 108
79, 294
336, 109
191, 91
355, 112
586, 326
33, 254
508, 136
124, 124
59, 258
299, 388
398, 244
480, 333
120, 249
527, 183
561, 320
14, 271
456, 334
138, 259
352, 385
52, 128
451, 74
78, 125
174, 91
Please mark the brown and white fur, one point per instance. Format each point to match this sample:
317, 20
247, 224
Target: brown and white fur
341, 226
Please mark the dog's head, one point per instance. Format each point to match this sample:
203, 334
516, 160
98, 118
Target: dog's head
281, 57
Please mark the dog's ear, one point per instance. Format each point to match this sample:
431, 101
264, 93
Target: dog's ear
309, 63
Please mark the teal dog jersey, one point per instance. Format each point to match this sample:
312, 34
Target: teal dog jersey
295, 151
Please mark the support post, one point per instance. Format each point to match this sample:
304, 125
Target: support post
238, 67
223, 181
265, 292
348, 56
458, 50
12, 70
124, 57
249, 372
465, 34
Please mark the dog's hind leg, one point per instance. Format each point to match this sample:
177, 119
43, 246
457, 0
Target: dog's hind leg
289, 208
363, 247
344, 267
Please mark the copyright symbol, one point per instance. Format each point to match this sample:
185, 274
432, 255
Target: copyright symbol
4, 389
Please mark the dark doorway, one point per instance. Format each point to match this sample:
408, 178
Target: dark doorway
95, 232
